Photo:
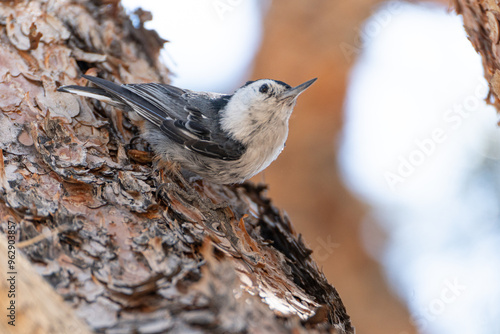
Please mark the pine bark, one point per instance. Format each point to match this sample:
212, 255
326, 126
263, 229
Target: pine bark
481, 22
129, 247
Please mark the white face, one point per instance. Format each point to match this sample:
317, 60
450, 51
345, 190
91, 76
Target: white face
264, 92
259, 107
262, 101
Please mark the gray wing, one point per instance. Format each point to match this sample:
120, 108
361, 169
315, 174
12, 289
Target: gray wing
190, 119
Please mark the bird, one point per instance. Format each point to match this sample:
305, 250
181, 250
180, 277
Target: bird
223, 138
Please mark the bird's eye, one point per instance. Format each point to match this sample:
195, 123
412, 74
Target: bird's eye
264, 88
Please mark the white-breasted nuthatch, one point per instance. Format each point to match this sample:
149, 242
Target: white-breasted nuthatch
223, 138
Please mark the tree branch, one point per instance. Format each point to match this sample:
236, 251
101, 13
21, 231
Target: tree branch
482, 26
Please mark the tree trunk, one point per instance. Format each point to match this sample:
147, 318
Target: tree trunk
129, 248
481, 22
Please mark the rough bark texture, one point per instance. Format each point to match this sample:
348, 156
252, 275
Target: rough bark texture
481, 22
128, 248
32, 293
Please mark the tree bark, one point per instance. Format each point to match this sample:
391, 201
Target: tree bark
34, 299
129, 247
481, 22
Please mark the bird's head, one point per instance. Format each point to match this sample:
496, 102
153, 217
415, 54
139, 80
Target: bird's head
269, 94
260, 102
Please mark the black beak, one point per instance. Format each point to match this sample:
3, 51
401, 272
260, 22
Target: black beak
296, 91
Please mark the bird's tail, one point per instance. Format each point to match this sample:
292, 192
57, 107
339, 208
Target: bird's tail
95, 93
125, 97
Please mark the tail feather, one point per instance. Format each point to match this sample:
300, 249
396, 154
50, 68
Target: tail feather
139, 104
119, 96
92, 92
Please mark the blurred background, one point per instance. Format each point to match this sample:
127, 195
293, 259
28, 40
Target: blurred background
391, 170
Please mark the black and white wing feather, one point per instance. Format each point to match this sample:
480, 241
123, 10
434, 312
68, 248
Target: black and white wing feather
190, 119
